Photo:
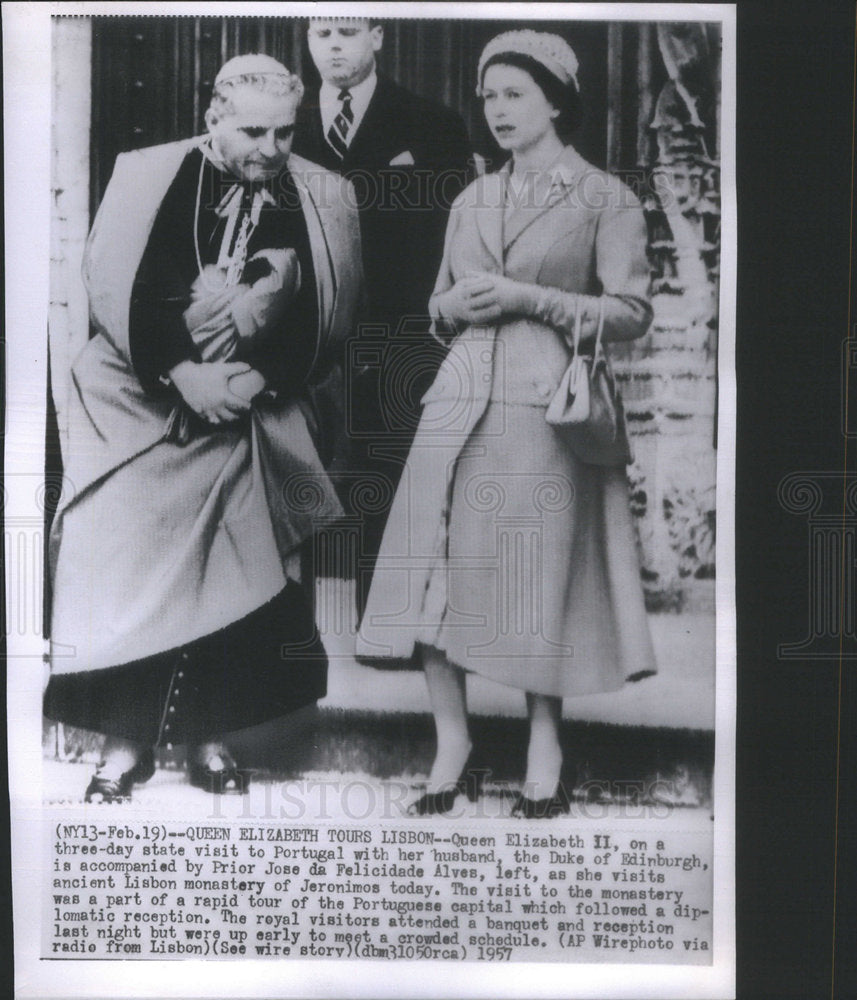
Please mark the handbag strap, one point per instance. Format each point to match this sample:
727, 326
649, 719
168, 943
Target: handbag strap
578, 324
600, 327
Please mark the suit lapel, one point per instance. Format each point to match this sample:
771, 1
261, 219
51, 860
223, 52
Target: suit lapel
371, 141
489, 215
317, 134
551, 188
326, 279
310, 141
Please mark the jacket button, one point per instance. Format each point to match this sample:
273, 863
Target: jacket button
542, 388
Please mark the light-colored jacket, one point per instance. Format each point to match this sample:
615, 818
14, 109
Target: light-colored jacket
161, 543
579, 233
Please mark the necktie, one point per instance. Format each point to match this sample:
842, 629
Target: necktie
241, 208
337, 134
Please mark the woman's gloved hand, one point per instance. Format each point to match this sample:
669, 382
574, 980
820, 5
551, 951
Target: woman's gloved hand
484, 297
471, 301
551, 306
515, 298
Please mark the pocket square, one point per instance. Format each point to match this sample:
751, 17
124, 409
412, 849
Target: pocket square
403, 160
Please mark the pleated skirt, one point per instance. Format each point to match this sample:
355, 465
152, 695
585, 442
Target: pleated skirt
537, 581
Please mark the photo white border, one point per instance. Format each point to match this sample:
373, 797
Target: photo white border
27, 129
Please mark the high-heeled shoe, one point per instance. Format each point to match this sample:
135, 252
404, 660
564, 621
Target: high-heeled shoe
557, 805
144, 768
223, 780
438, 803
101, 790
106, 790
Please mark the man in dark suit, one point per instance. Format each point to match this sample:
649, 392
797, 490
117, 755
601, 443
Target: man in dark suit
407, 158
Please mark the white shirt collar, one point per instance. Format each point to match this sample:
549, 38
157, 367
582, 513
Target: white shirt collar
361, 95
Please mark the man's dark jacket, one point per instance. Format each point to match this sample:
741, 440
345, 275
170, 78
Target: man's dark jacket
407, 161
403, 207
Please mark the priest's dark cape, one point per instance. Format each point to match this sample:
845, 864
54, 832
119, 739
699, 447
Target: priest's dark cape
170, 559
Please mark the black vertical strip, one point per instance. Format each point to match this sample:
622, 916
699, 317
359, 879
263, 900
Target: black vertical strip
613, 133
630, 55
96, 158
230, 38
7, 955
199, 104
52, 491
795, 129
844, 954
294, 49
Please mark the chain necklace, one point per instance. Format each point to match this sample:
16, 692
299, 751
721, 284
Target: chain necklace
231, 265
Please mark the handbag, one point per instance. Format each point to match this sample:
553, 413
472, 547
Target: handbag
587, 407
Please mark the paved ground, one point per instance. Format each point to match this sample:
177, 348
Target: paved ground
680, 696
657, 731
320, 797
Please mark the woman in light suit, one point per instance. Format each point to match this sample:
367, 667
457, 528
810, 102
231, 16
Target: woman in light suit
521, 561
